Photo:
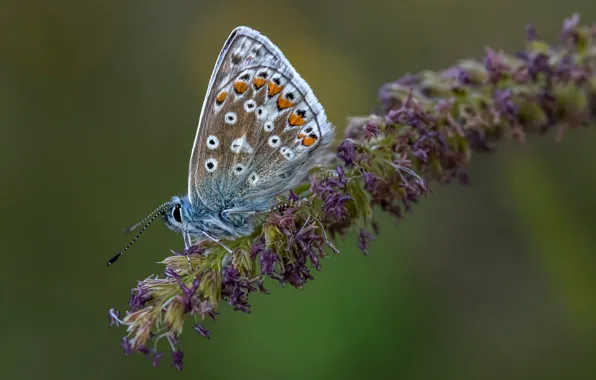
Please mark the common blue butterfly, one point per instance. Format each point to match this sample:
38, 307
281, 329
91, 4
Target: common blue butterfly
260, 130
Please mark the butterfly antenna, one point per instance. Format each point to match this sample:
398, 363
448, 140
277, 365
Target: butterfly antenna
133, 227
148, 219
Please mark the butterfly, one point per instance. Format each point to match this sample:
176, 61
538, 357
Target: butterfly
260, 130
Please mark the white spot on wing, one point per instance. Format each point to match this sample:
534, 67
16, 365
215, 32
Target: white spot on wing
274, 141
269, 126
211, 165
212, 142
278, 80
230, 118
287, 153
250, 105
241, 145
238, 169
253, 178
261, 112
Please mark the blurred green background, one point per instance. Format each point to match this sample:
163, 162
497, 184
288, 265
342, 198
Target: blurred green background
99, 102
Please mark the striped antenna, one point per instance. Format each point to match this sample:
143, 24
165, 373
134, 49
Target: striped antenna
133, 227
148, 219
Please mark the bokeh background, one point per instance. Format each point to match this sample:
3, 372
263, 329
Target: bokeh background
99, 102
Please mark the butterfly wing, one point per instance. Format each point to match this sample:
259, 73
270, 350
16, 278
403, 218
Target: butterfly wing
261, 128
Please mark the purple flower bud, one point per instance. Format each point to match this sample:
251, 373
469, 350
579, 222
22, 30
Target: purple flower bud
371, 130
203, 331
188, 293
346, 151
236, 289
504, 104
126, 346
422, 154
193, 250
531, 33
410, 113
156, 357
314, 259
267, 260
177, 358
409, 80
570, 27
495, 65
144, 350
256, 249
139, 297
293, 197
341, 175
363, 238
171, 273
539, 64
461, 75
370, 181
230, 274
334, 205
445, 105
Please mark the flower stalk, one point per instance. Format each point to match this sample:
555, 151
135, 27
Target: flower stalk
425, 132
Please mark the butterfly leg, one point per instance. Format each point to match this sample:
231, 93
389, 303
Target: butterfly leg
218, 242
188, 244
187, 241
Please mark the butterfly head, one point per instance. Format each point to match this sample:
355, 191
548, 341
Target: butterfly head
177, 216
196, 222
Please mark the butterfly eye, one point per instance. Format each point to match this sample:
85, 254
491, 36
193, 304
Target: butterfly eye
176, 214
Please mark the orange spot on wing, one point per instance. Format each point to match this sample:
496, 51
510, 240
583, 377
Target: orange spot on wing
274, 89
283, 103
259, 82
221, 97
309, 141
295, 120
301, 135
240, 87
